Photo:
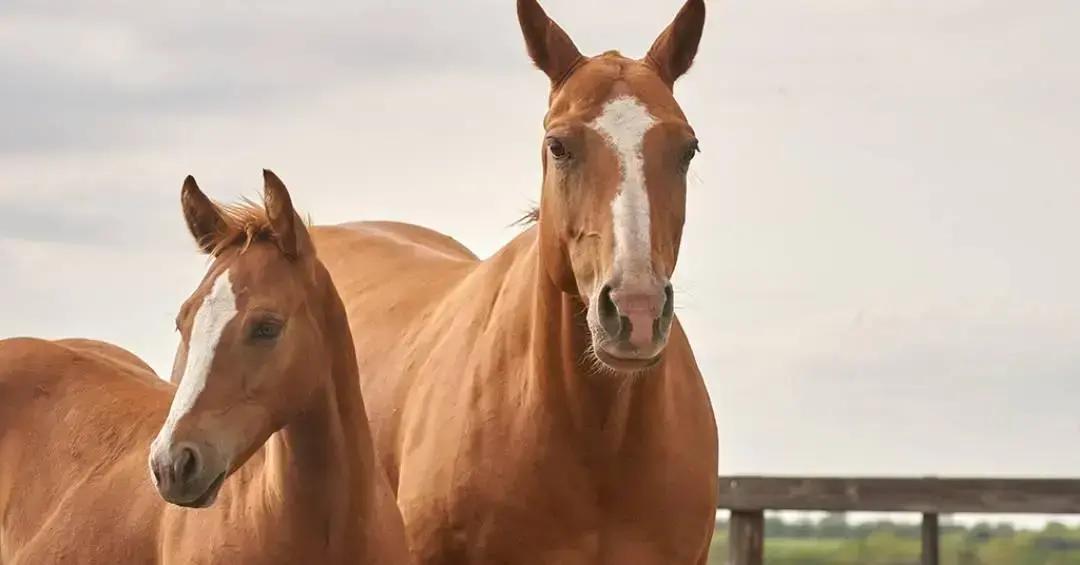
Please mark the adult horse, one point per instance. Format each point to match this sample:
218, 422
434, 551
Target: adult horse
544, 406
267, 420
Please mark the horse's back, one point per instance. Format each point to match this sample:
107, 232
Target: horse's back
111, 353
76, 393
423, 243
27, 367
390, 273
70, 419
33, 369
389, 268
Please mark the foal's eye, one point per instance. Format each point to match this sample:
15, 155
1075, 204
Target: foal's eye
557, 148
691, 150
266, 330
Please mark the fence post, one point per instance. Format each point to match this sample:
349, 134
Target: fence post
930, 539
746, 537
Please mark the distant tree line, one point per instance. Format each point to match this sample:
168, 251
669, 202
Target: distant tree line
834, 540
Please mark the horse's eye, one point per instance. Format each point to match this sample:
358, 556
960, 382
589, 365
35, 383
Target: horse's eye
266, 330
557, 149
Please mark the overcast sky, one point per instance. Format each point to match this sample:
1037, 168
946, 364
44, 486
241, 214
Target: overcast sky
879, 272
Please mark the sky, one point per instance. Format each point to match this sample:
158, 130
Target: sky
879, 272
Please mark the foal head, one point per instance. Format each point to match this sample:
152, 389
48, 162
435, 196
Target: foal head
252, 351
616, 153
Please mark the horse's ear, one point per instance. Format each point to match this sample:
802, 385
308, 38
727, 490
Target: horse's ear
292, 236
204, 219
550, 48
673, 52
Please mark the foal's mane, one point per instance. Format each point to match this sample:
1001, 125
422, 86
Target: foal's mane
245, 223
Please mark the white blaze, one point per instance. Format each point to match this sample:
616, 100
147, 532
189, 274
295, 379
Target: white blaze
624, 122
215, 312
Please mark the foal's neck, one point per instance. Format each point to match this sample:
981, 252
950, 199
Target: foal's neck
320, 467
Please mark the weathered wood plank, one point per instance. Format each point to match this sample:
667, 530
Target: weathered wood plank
746, 538
926, 495
930, 551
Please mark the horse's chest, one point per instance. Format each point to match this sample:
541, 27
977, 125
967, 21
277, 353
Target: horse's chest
191, 539
513, 480
234, 551
521, 509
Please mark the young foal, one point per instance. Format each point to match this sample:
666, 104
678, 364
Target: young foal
267, 421
544, 406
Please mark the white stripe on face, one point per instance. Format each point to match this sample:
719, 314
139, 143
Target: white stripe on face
215, 312
624, 123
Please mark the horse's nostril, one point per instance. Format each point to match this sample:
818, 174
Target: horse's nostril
157, 474
606, 304
608, 312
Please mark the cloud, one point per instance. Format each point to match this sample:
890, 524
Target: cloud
94, 74
878, 267
946, 390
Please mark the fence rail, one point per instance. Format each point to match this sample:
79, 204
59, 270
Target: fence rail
748, 497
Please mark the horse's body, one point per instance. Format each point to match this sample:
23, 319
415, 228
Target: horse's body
77, 418
74, 428
504, 444
543, 405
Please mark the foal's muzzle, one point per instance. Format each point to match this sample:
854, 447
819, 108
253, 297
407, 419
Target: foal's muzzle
186, 474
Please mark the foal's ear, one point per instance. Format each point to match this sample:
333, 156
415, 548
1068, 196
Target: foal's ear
673, 52
292, 236
550, 48
203, 217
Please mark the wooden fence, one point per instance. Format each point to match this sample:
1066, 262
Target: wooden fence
748, 497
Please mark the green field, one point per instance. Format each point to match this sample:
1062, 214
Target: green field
832, 541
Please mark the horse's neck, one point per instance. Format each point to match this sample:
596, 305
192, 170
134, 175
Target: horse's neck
318, 474
601, 407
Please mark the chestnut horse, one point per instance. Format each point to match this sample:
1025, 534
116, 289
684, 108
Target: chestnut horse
267, 421
544, 406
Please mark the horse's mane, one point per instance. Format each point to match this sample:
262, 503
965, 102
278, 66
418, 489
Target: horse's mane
532, 216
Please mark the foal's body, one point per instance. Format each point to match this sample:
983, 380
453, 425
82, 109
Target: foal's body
503, 445
77, 419
74, 430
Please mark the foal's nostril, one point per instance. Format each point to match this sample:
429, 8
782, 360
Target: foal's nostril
669, 302
186, 465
